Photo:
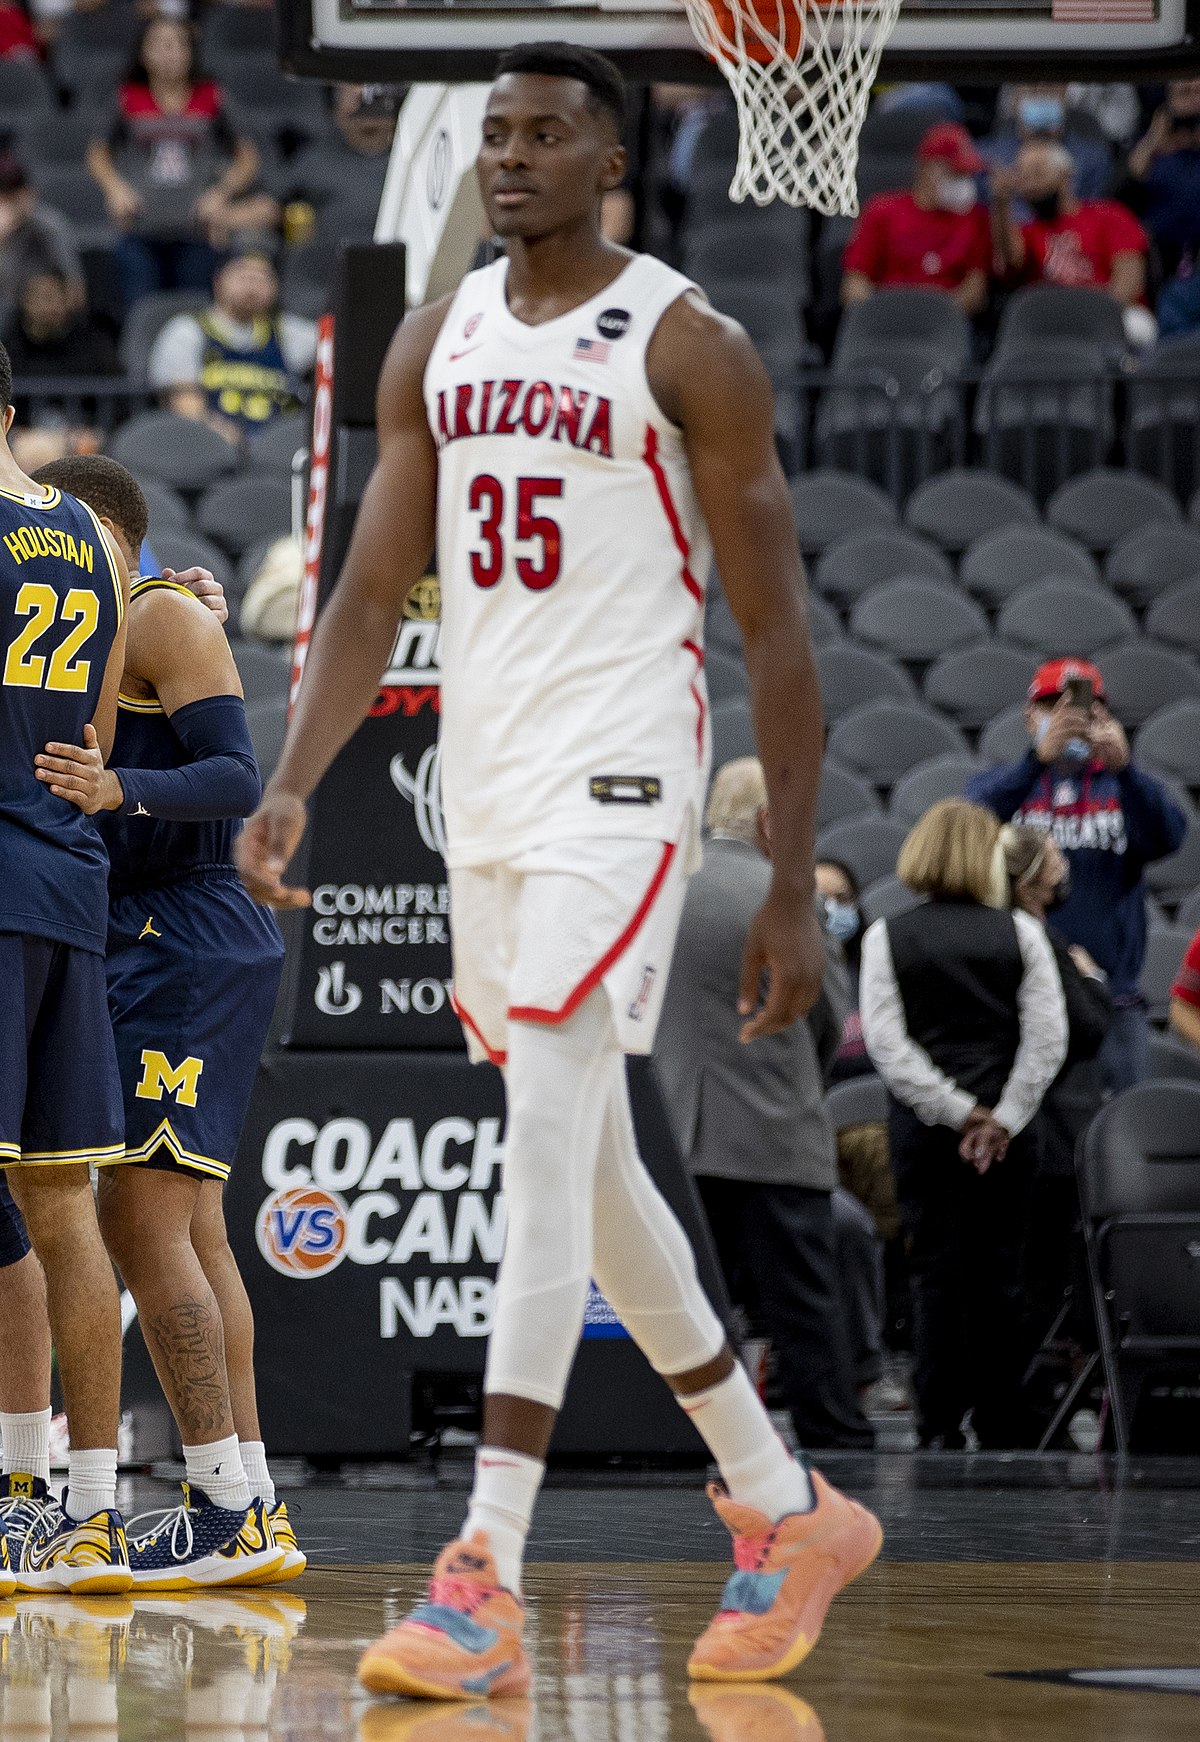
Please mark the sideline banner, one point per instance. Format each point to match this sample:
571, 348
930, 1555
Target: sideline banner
366, 1217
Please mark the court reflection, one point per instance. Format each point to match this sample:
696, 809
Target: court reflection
144, 1669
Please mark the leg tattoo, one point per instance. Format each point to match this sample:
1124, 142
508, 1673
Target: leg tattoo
191, 1352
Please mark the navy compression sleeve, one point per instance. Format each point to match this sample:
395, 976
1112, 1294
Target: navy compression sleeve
220, 780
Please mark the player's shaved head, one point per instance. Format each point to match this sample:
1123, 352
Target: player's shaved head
562, 60
107, 488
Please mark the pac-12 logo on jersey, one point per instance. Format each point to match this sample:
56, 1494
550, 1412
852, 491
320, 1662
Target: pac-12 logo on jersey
301, 1232
160, 1076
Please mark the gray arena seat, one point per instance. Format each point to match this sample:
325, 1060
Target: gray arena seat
236, 512
885, 740
861, 560
859, 1100
941, 777
1163, 399
823, 621
1050, 617
24, 92
265, 671
267, 724
732, 731
189, 549
869, 846
1174, 617
1005, 739
1150, 559
1165, 946
1176, 877
1045, 411
1170, 740
977, 683
167, 508
843, 794
146, 319
852, 676
1140, 679
1188, 916
1172, 1059
885, 898
957, 507
1103, 506
827, 505
915, 620
1055, 311
177, 450
273, 449
1000, 562
1139, 1184
721, 633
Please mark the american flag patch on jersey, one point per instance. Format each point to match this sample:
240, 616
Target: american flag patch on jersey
592, 350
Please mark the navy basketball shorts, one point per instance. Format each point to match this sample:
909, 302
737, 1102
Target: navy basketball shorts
14, 1241
60, 1095
193, 973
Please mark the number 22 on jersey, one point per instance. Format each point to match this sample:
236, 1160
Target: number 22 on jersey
537, 571
63, 669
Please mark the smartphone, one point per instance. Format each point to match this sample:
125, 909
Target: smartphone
1082, 692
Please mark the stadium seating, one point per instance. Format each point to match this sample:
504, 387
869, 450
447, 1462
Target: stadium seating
860, 560
825, 502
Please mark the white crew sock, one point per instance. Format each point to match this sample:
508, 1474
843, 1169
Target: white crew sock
756, 1466
26, 1443
217, 1468
506, 1486
254, 1462
91, 1483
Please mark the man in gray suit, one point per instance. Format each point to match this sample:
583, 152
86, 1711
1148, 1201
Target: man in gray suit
752, 1124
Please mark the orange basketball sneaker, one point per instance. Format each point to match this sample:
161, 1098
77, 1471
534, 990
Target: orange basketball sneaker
787, 1576
464, 1640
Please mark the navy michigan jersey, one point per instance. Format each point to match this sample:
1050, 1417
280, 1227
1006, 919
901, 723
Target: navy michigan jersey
60, 610
193, 965
150, 850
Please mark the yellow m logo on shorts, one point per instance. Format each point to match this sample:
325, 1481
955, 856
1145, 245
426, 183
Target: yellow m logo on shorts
158, 1074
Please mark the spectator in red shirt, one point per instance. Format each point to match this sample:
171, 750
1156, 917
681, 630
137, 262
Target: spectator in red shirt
1185, 995
937, 235
176, 178
17, 39
1096, 244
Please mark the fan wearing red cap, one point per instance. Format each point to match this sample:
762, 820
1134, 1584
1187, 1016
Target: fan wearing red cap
1110, 818
938, 235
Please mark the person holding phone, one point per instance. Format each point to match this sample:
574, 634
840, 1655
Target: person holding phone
1110, 819
1165, 167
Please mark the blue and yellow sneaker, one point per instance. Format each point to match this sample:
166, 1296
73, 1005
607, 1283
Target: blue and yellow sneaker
197, 1544
8, 1578
88, 1556
294, 1558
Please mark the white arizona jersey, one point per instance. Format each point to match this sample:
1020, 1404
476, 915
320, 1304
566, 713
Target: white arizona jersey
572, 557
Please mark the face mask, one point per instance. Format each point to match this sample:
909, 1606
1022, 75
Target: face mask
1046, 208
957, 193
1041, 114
1061, 895
841, 919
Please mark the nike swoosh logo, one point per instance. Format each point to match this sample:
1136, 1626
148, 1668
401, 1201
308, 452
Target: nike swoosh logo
455, 355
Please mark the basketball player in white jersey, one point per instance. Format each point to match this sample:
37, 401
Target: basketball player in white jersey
581, 430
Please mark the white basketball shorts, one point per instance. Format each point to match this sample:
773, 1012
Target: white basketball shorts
532, 936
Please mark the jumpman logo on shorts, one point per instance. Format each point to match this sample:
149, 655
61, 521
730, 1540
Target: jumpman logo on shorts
148, 930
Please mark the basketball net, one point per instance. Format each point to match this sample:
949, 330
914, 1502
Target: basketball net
801, 74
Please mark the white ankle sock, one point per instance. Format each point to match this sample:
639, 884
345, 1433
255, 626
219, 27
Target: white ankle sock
756, 1466
217, 1468
91, 1483
254, 1462
506, 1486
26, 1443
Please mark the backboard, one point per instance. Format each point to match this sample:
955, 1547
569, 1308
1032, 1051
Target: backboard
972, 40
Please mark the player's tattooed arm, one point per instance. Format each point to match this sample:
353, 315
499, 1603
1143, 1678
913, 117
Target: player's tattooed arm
708, 378
393, 538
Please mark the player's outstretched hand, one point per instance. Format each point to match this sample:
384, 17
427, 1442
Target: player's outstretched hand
77, 773
205, 586
264, 850
785, 942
